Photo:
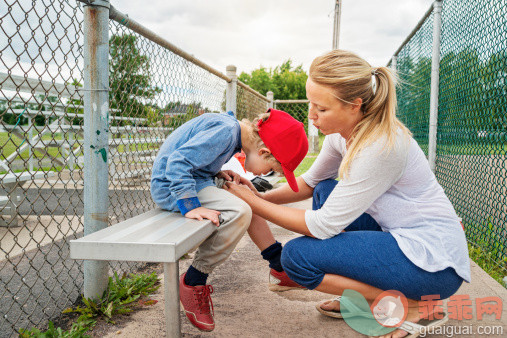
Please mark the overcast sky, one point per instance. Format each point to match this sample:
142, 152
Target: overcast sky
250, 33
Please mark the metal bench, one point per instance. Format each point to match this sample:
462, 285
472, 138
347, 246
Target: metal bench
156, 236
11, 184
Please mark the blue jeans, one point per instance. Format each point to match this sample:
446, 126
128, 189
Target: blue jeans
364, 253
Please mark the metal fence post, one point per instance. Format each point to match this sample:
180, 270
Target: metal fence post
394, 62
96, 136
435, 69
31, 125
313, 136
232, 88
271, 98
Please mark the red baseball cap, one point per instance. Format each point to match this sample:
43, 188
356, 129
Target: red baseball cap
285, 137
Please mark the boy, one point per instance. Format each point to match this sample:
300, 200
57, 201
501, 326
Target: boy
183, 180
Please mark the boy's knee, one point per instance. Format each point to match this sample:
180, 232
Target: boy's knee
243, 212
246, 212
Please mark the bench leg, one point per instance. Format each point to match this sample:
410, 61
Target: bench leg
172, 299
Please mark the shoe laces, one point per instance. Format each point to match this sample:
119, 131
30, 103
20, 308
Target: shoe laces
203, 297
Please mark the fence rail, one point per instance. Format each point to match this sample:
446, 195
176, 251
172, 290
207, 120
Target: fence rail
453, 97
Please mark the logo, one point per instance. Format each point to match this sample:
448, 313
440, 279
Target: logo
387, 312
390, 308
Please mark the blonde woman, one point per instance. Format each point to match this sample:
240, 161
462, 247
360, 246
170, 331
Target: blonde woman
387, 223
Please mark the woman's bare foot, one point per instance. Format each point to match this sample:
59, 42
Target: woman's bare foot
330, 305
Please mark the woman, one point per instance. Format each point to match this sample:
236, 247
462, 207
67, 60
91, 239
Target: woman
387, 224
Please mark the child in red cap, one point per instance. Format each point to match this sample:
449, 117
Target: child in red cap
183, 180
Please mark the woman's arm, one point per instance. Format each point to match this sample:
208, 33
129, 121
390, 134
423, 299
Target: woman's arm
289, 218
285, 194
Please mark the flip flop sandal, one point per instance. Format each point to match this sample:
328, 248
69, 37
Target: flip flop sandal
415, 329
338, 314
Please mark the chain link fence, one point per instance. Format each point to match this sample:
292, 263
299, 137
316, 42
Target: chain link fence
471, 127
298, 109
250, 103
413, 64
154, 87
41, 204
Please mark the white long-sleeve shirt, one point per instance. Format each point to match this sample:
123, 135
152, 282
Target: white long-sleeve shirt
398, 189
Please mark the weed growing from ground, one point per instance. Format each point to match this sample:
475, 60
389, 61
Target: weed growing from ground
119, 298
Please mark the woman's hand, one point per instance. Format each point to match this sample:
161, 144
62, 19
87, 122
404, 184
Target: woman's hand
241, 191
289, 218
201, 213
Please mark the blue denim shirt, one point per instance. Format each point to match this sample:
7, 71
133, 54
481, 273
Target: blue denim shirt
190, 158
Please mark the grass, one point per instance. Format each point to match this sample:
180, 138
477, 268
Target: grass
121, 295
306, 163
302, 168
486, 248
10, 143
484, 258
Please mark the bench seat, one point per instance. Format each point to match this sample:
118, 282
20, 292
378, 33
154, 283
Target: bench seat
155, 236
3, 200
131, 174
24, 176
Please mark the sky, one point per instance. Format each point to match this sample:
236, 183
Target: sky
250, 34
45, 43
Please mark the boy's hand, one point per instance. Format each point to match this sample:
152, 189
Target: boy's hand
232, 176
201, 213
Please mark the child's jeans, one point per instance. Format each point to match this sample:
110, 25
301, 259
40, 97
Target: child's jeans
236, 217
364, 253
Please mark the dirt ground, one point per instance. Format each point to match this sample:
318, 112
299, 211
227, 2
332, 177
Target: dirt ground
244, 307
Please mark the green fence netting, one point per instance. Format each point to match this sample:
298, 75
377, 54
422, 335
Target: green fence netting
472, 124
414, 71
471, 162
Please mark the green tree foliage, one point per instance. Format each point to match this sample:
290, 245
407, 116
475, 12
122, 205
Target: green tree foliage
176, 113
130, 78
285, 81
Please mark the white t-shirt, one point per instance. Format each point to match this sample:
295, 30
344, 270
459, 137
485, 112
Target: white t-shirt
398, 189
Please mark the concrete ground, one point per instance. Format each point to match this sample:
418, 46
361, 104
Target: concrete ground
245, 307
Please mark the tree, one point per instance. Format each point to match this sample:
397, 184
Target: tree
130, 78
285, 81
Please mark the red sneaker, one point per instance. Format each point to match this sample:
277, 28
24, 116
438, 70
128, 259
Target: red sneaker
196, 301
279, 281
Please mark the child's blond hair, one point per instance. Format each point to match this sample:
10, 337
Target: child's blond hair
256, 139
